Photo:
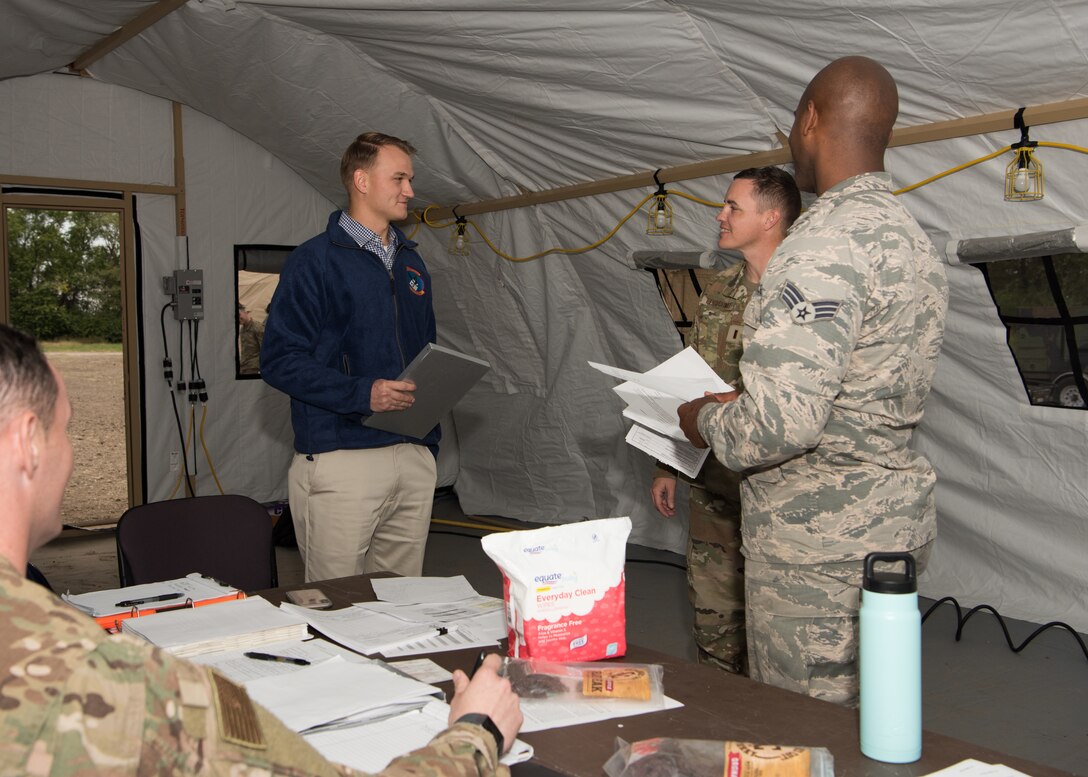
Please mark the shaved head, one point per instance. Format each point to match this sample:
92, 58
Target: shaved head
843, 122
859, 96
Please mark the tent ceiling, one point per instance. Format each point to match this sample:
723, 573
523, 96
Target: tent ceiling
501, 100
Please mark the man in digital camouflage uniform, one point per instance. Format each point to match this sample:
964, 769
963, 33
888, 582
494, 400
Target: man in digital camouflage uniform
840, 347
760, 206
75, 701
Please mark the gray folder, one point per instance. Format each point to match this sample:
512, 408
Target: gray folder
442, 376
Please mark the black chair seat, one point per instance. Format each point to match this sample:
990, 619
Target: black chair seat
226, 537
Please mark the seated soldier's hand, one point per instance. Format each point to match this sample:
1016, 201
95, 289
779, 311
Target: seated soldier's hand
488, 694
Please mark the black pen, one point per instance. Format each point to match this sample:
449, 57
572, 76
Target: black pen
479, 662
281, 659
147, 600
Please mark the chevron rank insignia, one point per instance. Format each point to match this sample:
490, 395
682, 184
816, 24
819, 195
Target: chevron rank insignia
802, 311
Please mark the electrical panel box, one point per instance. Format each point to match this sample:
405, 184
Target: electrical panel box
186, 287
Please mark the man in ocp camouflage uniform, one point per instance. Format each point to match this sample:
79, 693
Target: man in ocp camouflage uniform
75, 701
841, 344
760, 206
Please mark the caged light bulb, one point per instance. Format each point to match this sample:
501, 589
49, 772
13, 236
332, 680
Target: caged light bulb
1021, 181
661, 219
460, 242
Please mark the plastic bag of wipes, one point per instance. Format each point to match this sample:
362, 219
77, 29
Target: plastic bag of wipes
564, 589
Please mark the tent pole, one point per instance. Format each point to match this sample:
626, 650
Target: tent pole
1050, 113
124, 33
179, 172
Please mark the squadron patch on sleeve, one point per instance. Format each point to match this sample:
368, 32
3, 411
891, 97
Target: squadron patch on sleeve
803, 311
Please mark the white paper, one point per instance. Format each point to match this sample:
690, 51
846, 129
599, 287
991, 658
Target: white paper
423, 669
541, 714
454, 639
973, 768
682, 456
335, 689
441, 612
652, 400
361, 630
233, 664
685, 376
652, 409
416, 590
370, 748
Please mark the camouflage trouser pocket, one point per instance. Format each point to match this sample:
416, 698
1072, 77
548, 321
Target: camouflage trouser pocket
802, 626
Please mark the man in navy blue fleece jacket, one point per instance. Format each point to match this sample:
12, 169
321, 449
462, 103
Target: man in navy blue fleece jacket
352, 309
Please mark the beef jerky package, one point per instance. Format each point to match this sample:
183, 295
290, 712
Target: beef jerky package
564, 589
632, 688
667, 757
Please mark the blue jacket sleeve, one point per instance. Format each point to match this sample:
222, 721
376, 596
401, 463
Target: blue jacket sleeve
297, 356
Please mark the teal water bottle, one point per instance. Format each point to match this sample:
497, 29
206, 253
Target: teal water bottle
890, 661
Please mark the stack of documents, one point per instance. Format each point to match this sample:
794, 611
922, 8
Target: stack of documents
112, 606
237, 666
362, 631
232, 625
370, 748
337, 693
418, 615
652, 400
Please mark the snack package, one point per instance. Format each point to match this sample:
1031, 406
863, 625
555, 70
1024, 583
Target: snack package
564, 589
667, 757
534, 678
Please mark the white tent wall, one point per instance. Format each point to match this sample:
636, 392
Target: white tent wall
541, 438
236, 193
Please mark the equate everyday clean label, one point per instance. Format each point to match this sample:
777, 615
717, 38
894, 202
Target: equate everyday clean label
564, 589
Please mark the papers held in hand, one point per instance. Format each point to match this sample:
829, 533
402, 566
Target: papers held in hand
442, 376
652, 400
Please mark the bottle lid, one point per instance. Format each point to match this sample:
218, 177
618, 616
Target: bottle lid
890, 582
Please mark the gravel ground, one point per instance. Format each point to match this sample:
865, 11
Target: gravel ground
97, 492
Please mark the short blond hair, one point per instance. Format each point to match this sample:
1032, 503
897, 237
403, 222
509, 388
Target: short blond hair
360, 154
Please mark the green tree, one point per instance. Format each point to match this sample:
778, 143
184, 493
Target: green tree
65, 276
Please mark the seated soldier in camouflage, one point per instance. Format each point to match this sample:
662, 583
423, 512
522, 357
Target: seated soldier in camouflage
760, 206
75, 701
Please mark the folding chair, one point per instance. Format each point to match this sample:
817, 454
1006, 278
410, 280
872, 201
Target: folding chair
226, 537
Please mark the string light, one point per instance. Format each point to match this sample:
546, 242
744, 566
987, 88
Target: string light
459, 239
660, 218
1024, 175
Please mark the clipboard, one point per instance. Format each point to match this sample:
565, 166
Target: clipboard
442, 377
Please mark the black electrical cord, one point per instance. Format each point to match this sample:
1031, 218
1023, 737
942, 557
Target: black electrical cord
961, 621
168, 374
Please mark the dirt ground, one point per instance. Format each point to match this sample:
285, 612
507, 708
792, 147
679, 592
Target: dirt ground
98, 491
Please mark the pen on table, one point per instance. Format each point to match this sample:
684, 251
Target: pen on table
147, 600
281, 659
479, 662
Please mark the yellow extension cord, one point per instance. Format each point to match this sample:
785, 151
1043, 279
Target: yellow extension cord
422, 217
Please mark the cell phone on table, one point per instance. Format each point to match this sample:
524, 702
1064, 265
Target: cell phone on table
309, 597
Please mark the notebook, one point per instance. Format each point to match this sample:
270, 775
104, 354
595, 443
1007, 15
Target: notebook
242, 623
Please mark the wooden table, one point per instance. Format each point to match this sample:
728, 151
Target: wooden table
717, 706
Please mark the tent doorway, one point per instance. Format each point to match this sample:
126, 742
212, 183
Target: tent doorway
66, 279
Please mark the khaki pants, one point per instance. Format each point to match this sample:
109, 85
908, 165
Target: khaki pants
362, 511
